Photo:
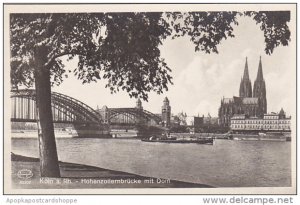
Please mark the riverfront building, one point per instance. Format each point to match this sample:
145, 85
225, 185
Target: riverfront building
250, 104
203, 124
274, 122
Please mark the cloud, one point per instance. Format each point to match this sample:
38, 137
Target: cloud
201, 80
280, 91
199, 87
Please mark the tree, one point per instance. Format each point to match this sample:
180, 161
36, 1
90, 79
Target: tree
119, 47
275, 28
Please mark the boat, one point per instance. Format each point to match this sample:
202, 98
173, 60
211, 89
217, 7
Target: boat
182, 141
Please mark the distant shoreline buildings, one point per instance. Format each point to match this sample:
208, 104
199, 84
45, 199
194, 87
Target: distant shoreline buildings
272, 122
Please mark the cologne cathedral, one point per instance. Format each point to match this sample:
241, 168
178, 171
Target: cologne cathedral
251, 103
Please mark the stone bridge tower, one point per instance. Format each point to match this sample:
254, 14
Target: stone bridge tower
166, 113
139, 104
104, 112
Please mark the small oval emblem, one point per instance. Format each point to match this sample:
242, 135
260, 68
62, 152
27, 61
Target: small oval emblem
24, 174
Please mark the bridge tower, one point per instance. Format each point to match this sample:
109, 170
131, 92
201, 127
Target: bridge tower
139, 107
166, 113
139, 104
105, 114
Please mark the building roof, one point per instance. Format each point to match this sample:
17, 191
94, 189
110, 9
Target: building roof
228, 100
271, 114
250, 101
238, 116
255, 118
281, 112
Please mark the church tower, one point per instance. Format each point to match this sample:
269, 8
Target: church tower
245, 86
259, 90
166, 113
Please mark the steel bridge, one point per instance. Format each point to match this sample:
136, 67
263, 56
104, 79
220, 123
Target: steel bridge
131, 115
66, 109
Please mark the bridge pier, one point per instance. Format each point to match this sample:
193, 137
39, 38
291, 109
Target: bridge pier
91, 131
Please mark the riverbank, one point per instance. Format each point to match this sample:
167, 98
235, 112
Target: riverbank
26, 175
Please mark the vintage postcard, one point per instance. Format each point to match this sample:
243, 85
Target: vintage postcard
149, 99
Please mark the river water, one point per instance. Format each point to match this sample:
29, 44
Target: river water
227, 163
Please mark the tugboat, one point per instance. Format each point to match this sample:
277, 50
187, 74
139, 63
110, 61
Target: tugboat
168, 139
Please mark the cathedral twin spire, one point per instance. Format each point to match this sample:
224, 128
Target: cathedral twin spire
245, 86
259, 88
246, 72
260, 76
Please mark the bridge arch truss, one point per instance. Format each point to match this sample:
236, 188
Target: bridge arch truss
131, 116
65, 109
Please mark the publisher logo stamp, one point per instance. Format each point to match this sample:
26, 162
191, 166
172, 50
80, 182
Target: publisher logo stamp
24, 174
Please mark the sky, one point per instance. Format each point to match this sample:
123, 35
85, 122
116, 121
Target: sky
202, 80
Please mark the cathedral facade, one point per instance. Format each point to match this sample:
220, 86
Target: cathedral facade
252, 103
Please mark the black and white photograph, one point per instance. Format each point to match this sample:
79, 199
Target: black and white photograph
149, 98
